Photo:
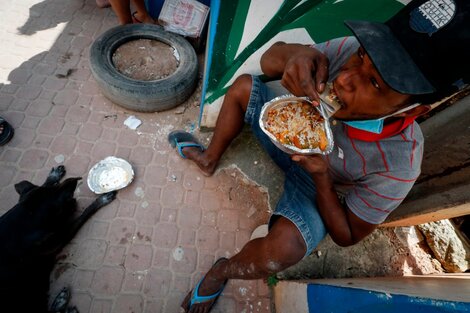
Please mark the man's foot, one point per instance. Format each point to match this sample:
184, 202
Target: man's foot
103, 3
6, 132
203, 297
188, 147
138, 17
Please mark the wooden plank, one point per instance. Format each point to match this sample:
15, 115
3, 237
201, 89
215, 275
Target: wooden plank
434, 215
444, 205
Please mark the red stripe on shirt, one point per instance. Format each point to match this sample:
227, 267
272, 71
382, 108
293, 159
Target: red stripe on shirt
383, 155
327, 44
380, 195
344, 167
370, 206
414, 145
397, 178
341, 46
362, 157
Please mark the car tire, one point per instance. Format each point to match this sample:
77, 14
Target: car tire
138, 95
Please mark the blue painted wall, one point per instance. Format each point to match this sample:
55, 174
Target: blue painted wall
332, 299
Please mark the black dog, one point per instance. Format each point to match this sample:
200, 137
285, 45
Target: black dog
32, 233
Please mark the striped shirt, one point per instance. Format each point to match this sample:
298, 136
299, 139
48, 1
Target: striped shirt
373, 177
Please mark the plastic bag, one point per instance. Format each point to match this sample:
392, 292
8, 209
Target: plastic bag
184, 17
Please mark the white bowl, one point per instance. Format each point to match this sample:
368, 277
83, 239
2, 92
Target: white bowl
110, 174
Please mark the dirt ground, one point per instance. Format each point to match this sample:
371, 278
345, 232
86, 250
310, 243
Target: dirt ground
145, 59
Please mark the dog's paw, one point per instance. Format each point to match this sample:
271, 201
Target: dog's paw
106, 198
56, 174
58, 171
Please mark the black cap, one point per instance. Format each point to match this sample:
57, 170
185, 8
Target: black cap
424, 48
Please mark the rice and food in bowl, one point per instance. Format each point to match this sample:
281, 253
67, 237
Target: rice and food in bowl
296, 126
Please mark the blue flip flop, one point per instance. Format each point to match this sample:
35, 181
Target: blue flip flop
180, 139
196, 298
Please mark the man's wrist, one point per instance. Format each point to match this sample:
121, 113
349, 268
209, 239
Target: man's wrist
321, 178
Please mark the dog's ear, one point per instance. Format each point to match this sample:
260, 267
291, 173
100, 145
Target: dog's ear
24, 187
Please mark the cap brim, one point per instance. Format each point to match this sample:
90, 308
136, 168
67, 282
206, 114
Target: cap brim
391, 60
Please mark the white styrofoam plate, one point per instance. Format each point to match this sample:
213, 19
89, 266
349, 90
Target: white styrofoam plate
110, 174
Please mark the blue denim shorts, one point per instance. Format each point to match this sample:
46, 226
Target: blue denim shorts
298, 201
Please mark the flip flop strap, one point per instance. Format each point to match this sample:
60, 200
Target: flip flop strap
133, 16
181, 145
202, 299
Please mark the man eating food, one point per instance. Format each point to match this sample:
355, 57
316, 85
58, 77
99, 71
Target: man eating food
383, 77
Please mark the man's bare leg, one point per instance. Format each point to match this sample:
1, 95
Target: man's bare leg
282, 247
229, 124
122, 10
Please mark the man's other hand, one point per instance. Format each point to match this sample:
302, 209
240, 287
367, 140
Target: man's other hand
313, 164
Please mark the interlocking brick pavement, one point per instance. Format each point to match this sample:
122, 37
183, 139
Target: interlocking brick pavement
144, 251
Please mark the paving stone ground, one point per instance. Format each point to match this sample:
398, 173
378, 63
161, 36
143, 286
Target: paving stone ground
144, 251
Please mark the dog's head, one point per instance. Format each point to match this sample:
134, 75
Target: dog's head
46, 204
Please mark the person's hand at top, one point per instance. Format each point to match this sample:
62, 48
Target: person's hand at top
303, 70
306, 73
